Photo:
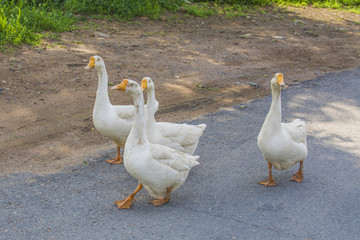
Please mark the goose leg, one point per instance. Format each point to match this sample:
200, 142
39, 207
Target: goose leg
270, 182
117, 159
166, 199
299, 176
127, 202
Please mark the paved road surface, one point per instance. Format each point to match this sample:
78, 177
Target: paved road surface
221, 198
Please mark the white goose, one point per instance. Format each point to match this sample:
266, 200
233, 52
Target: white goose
111, 121
159, 169
181, 137
282, 144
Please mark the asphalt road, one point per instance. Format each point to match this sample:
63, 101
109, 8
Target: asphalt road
221, 198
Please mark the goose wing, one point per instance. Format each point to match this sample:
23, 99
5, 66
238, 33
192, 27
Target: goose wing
183, 134
125, 111
297, 130
178, 161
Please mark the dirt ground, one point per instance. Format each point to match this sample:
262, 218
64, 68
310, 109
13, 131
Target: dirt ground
198, 65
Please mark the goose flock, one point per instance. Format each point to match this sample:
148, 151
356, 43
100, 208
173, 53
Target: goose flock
160, 154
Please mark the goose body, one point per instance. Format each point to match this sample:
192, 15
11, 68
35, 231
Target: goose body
112, 121
181, 137
282, 144
159, 169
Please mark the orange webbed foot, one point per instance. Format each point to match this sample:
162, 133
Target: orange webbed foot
114, 161
125, 203
159, 202
117, 159
166, 199
268, 183
298, 177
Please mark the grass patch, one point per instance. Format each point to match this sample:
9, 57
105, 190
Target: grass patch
122, 9
201, 10
347, 5
28, 21
233, 11
25, 22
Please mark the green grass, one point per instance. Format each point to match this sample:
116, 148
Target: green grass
350, 5
28, 21
268, 2
236, 8
25, 22
233, 10
121, 9
201, 10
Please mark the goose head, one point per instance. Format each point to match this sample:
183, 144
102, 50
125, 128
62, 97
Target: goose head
277, 81
129, 86
95, 62
147, 84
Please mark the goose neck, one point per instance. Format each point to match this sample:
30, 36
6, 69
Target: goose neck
102, 95
139, 128
151, 102
275, 109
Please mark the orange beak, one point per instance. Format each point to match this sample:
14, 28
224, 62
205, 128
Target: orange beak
121, 86
144, 84
280, 80
91, 63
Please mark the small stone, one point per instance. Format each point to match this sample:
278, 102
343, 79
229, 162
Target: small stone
278, 37
299, 21
248, 35
101, 34
254, 85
